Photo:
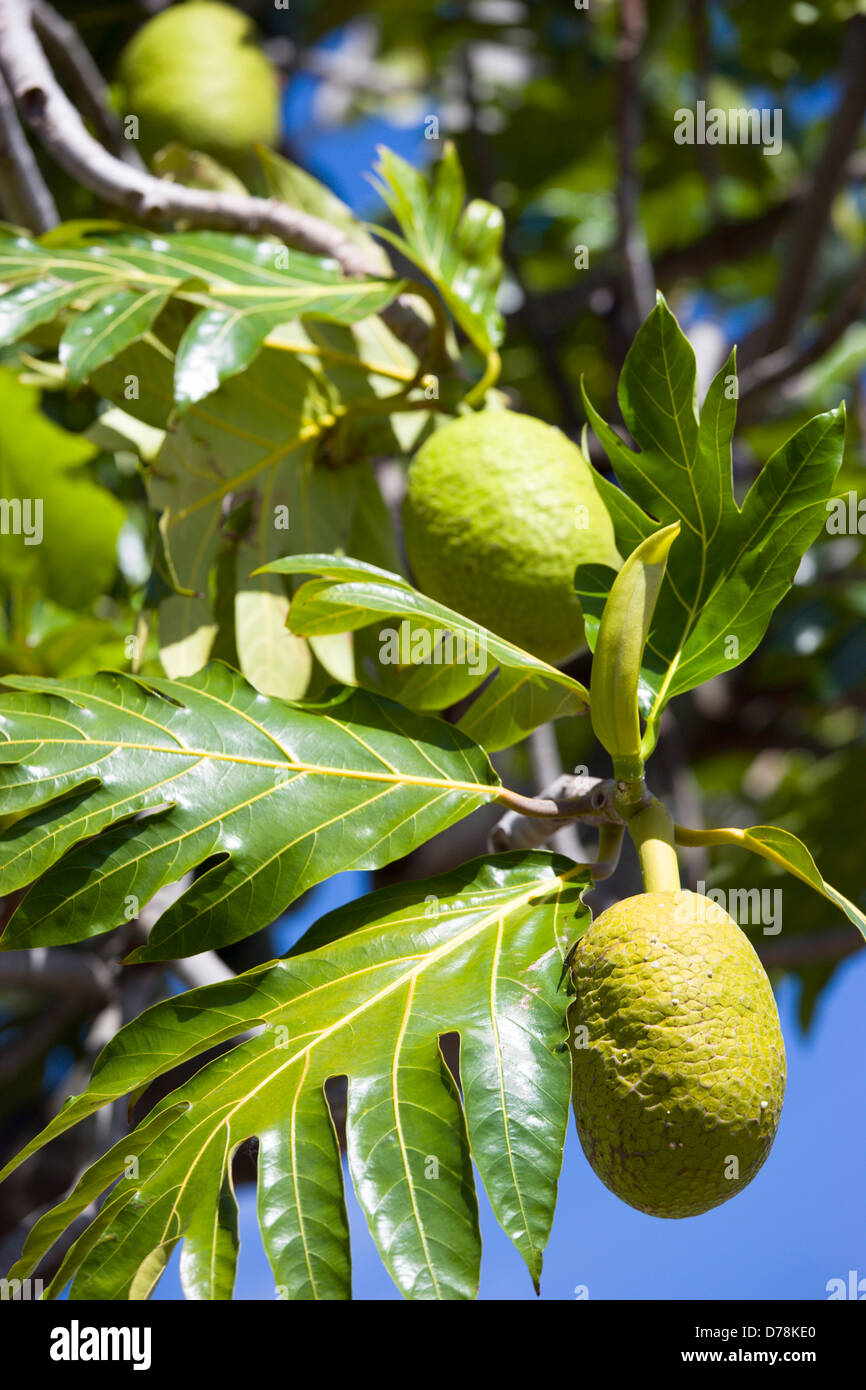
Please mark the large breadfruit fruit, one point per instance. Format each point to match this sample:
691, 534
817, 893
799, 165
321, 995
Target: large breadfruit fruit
500, 510
678, 1058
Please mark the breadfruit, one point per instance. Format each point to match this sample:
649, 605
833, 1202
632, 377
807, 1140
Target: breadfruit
499, 512
195, 73
678, 1057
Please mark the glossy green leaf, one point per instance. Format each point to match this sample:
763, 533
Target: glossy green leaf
244, 288
459, 247
782, 848
477, 951
223, 342
99, 334
272, 797
434, 656
25, 306
730, 565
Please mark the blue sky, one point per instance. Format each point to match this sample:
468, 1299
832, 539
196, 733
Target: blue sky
343, 156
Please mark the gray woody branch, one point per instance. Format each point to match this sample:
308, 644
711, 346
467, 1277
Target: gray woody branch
570, 798
56, 121
70, 56
25, 197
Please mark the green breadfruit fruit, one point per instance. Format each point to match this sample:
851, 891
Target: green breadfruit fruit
195, 74
678, 1057
500, 510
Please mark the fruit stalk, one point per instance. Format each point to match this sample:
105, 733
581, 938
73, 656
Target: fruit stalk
652, 831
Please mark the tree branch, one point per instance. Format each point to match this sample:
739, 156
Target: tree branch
638, 282
79, 974
727, 241
547, 771
50, 113
83, 79
788, 362
807, 233
587, 799
25, 195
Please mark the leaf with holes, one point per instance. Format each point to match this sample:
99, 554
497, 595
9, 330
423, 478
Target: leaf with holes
478, 951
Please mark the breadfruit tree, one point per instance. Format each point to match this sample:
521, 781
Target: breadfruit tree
216, 372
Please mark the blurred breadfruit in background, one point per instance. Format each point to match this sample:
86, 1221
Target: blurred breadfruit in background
196, 74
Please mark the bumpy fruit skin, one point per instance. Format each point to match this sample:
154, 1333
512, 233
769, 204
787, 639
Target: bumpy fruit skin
195, 73
500, 510
681, 1067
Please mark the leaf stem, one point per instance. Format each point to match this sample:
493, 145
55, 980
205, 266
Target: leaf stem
492, 368
730, 835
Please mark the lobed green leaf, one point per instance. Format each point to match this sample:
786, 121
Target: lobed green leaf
129, 784
478, 951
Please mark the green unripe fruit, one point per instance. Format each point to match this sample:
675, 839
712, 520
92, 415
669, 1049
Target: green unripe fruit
678, 1057
500, 510
195, 73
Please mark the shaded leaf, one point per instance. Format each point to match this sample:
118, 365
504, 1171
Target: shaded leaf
442, 657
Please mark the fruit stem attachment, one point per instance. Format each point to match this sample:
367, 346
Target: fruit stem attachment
652, 831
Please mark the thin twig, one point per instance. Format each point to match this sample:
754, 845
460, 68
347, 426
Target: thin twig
82, 77
26, 198
807, 234
636, 268
590, 800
